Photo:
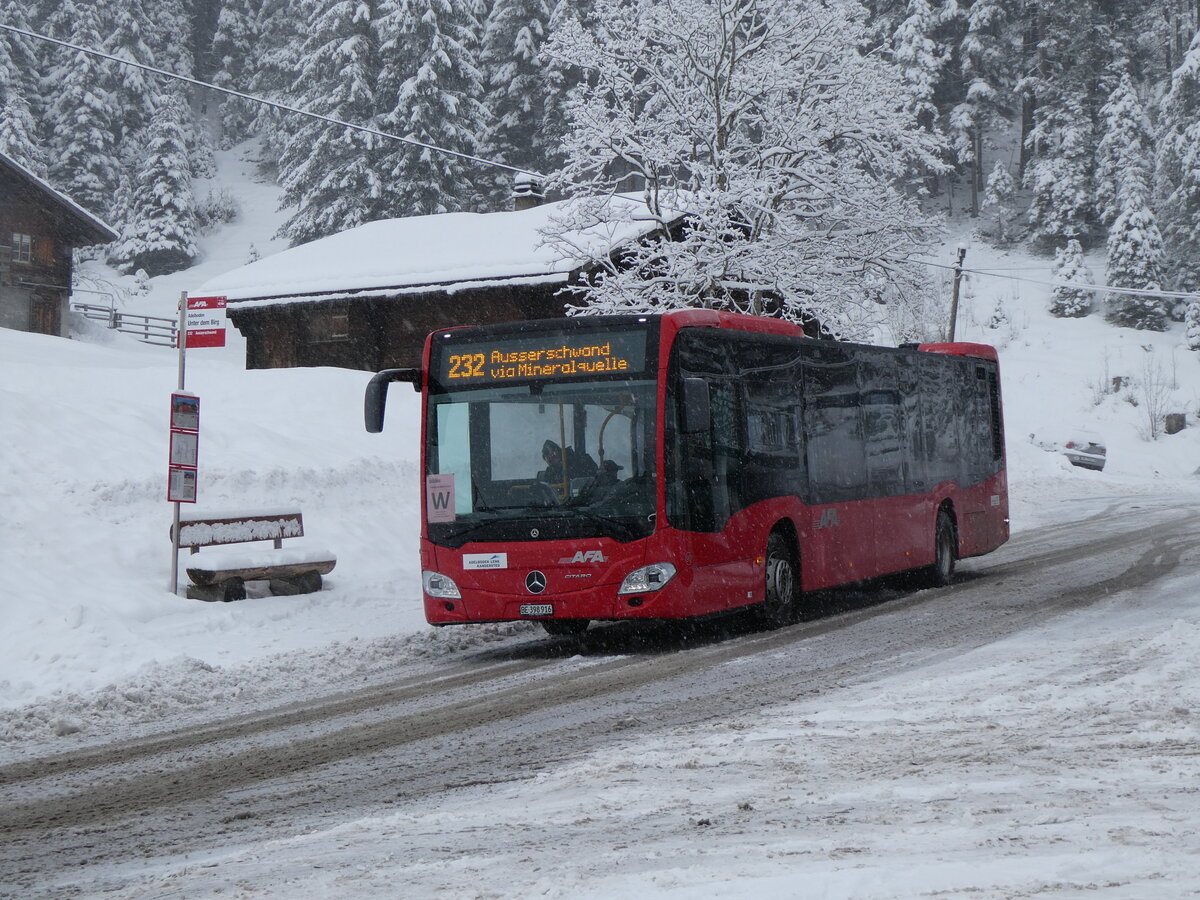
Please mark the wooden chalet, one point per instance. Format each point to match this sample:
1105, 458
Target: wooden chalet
367, 297
39, 229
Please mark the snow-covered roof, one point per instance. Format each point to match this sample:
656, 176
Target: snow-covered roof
100, 232
451, 251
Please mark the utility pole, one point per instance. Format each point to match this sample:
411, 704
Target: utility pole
962, 252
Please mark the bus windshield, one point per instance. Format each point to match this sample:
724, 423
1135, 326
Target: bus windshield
548, 460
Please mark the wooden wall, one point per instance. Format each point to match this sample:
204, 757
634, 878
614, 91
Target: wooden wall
33, 295
379, 333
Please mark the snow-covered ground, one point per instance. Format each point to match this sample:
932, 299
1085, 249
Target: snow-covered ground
969, 787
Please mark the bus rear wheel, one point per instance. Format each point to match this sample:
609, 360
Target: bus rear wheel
782, 587
565, 627
941, 573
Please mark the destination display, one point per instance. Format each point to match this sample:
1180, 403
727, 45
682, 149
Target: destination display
544, 356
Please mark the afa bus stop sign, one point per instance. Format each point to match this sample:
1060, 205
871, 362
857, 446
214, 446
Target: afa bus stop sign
205, 322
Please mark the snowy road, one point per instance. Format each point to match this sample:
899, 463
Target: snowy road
111, 815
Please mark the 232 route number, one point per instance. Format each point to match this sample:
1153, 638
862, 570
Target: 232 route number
466, 365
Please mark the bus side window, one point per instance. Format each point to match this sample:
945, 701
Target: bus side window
837, 468
997, 419
916, 467
774, 464
881, 422
941, 402
727, 456
978, 449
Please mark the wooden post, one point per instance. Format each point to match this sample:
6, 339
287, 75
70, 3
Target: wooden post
962, 252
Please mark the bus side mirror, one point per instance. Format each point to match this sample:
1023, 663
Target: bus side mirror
696, 417
376, 398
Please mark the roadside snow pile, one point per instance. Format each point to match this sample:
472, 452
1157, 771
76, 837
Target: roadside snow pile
179, 689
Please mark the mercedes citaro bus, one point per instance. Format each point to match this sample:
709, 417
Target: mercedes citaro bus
702, 461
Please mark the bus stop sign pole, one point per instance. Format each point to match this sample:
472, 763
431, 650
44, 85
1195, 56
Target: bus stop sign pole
182, 341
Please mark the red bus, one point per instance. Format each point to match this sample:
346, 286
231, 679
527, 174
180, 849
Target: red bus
677, 465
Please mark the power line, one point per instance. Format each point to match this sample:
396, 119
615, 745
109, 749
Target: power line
272, 103
1097, 288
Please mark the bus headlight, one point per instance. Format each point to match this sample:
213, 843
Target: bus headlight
649, 578
438, 585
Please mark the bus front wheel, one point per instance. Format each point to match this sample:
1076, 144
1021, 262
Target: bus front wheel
782, 586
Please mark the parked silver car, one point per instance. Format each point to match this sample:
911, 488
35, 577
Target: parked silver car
1086, 450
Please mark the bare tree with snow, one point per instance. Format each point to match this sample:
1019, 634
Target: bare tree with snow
785, 145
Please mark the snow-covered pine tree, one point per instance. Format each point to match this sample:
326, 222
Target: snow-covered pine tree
1068, 47
999, 316
1068, 299
161, 234
233, 51
987, 55
1177, 168
1135, 255
559, 78
19, 138
83, 113
168, 34
274, 67
329, 173
513, 36
429, 91
1001, 188
1126, 141
136, 92
18, 131
171, 40
1060, 177
742, 117
24, 52
1191, 325
921, 57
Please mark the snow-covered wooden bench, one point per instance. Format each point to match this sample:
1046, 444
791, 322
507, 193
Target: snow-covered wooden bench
222, 574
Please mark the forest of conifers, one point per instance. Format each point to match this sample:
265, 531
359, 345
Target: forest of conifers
1066, 124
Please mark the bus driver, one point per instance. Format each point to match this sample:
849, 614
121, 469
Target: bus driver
578, 465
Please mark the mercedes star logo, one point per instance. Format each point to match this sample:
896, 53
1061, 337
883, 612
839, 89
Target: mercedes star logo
535, 582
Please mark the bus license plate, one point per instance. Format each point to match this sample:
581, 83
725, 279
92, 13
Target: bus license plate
537, 609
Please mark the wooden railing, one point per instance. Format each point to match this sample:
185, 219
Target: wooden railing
150, 329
